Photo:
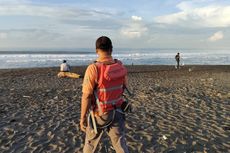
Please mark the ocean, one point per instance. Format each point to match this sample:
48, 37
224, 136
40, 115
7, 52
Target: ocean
33, 59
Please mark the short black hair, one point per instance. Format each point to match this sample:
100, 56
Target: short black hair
104, 43
64, 61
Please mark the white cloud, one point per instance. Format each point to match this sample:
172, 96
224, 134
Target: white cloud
216, 36
185, 6
134, 29
65, 12
13, 1
192, 15
3, 35
136, 18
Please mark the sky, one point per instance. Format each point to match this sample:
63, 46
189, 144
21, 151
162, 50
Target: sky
71, 24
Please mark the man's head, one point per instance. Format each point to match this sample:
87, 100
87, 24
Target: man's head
104, 44
64, 61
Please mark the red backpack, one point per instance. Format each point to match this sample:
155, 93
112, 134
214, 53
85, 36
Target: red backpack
110, 86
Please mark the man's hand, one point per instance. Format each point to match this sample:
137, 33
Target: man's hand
83, 124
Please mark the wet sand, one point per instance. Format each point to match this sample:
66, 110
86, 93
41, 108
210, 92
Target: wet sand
186, 110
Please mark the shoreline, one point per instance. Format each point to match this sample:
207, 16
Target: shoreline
128, 66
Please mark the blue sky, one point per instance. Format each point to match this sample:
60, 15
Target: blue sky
69, 24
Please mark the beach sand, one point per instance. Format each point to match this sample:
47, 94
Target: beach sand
176, 111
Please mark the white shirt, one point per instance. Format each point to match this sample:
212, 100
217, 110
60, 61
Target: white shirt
64, 67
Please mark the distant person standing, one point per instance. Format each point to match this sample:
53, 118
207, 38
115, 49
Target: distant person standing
64, 67
177, 57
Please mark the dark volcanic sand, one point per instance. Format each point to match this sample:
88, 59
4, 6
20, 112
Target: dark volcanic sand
174, 111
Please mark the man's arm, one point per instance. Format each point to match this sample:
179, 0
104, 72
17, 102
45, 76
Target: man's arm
61, 67
85, 104
126, 81
87, 93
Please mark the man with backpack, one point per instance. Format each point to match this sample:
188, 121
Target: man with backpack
103, 86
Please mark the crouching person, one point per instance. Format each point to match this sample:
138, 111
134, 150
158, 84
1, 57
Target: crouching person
65, 71
103, 86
